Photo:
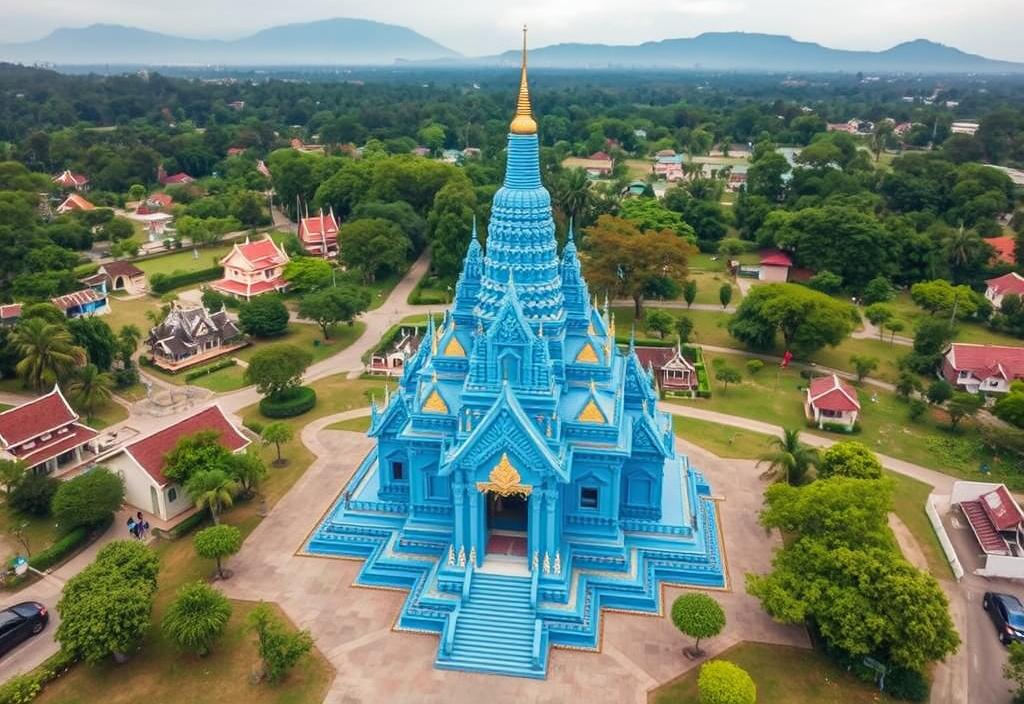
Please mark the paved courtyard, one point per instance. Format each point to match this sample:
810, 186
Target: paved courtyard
352, 625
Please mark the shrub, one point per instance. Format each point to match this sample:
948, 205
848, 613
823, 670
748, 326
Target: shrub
196, 618
849, 459
253, 425
21, 689
916, 408
210, 369
34, 494
908, 685
188, 525
218, 542
754, 366
66, 545
128, 376
292, 402
264, 316
279, 648
162, 283
721, 682
88, 499
698, 616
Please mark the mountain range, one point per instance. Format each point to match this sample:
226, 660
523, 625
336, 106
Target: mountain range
344, 41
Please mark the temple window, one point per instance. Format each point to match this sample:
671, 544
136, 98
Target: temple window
588, 497
172, 495
398, 471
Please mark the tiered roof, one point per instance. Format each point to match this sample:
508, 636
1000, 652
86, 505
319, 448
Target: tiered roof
47, 423
985, 361
830, 393
1012, 283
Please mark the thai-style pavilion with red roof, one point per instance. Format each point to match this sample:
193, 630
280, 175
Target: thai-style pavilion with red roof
1005, 285
45, 434
674, 372
319, 234
71, 181
832, 401
253, 268
141, 463
74, 202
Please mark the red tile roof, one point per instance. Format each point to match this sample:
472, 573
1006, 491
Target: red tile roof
262, 253
76, 436
32, 419
775, 257
1005, 248
177, 179
69, 179
311, 228
75, 202
992, 543
600, 156
1001, 508
9, 311
1007, 283
150, 452
656, 357
253, 289
78, 298
987, 360
160, 200
830, 393
122, 268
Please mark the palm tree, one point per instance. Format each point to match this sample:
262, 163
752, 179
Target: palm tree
128, 337
90, 389
212, 489
789, 459
48, 352
573, 194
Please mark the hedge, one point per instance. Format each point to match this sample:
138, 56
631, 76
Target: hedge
291, 403
215, 367
162, 283
186, 526
66, 546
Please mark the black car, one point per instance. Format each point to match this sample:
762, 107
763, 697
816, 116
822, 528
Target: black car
1007, 613
20, 622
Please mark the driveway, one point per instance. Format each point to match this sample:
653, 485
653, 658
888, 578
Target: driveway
352, 626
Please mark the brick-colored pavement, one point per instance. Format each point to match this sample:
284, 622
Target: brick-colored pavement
352, 625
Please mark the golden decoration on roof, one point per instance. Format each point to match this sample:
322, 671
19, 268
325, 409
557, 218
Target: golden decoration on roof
434, 403
504, 480
591, 413
587, 354
523, 122
454, 348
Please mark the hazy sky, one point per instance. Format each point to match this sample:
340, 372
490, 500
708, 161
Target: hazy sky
478, 27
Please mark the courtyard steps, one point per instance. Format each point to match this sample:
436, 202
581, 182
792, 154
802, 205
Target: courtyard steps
494, 631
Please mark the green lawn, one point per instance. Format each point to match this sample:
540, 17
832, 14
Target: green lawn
132, 312
108, 414
908, 501
183, 260
709, 326
40, 531
5, 407
783, 675
708, 283
355, 425
722, 440
222, 380
310, 337
717, 262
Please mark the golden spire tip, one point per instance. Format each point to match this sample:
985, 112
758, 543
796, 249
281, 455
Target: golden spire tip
523, 122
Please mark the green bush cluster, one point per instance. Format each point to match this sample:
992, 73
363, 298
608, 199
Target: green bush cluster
162, 283
293, 402
52, 555
210, 369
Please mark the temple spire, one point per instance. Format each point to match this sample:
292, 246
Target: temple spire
523, 122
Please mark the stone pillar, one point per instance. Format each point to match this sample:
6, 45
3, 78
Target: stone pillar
474, 526
459, 497
534, 539
550, 543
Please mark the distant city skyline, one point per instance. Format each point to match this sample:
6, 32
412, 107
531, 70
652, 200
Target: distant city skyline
986, 27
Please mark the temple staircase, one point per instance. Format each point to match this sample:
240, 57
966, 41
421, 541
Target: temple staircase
496, 629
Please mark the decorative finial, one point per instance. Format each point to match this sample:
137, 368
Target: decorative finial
523, 122
474, 226
571, 238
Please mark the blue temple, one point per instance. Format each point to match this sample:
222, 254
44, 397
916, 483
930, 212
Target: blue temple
523, 478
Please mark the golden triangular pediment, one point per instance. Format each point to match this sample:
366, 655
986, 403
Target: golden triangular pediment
504, 480
454, 348
591, 413
434, 403
587, 354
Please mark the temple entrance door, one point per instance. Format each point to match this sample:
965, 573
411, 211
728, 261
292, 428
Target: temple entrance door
507, 518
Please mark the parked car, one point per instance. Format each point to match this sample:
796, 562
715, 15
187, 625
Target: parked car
1007, 613
20, 622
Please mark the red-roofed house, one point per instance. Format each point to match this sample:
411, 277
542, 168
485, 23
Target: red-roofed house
990, 515
71, 181
1005, 248
158, 201
319, 234
10, 313
45, 434
1002, 286
261, 166
179, 179
673, 371
600, 156
236, 151
775, 265
141, 463
74, 202
123, 276
987, 368
831, 401
88, 301
253, 268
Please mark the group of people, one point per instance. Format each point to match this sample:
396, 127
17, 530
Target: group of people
138, 526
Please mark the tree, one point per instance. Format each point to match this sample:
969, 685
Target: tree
725, 294
1009, 408
278, 368
698, 616
89, 499
128, 342
849, 459
275, 434
212, 489
105, 608
808, 320
264, 316
117, 230
196, 618
940, 296
216, 543
690, 292
96, 338
754, 366
90, 389
722, 682
863, 365
137, 192
573, 196
661, 322
33, 495
620, 259
878, 290
684, 328
826, 282
280, 648
650, 214
727, 375
195, 453
334, 305
47, 351
789, 460
308, 274
11, 474
449, 224
1013, 669
375, 247
939, 391
248, 470
963, 405
879, 314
